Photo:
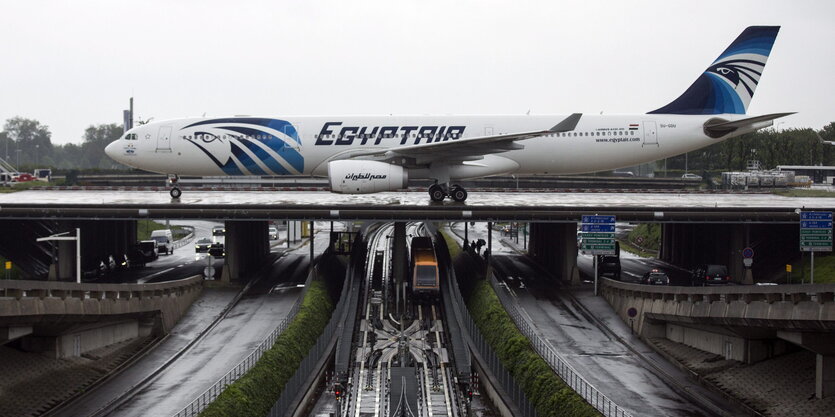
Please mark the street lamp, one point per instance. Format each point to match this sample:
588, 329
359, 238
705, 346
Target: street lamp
36, 155
18, 159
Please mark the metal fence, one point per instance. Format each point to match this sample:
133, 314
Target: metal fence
574, 380
308, 366
185, 239
206, 398
477, 342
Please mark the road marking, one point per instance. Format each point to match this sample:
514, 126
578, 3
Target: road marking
143, 280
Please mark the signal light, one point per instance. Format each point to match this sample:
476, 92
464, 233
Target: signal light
338, 391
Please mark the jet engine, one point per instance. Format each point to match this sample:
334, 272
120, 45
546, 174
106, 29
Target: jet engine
363, 177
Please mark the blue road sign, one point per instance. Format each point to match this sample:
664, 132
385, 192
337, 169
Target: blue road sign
598, 228
816, 215
747, 253
589, 219
816, 224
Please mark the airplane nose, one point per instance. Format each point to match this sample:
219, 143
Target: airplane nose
110, 150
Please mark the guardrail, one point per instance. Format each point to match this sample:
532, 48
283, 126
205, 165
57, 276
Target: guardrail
20, 289
580, 385
203, 400
179, 243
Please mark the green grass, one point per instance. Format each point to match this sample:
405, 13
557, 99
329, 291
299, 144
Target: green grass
21, 186
145, 227
804, 193
824, 269
547, 391
257, 391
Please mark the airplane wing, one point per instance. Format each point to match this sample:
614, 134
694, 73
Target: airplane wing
461, 149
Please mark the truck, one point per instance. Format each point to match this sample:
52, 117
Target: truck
165, 240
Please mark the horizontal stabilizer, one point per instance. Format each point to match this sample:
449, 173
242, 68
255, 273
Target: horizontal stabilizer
717, 127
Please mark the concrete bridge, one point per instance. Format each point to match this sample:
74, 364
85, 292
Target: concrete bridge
743, 323
63, 319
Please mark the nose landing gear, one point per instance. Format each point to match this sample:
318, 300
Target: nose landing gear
175, 190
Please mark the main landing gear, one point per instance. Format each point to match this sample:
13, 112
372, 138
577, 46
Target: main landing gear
175, 190
438, 192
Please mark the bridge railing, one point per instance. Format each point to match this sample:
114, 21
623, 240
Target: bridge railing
20, 289
790, 292
580, 385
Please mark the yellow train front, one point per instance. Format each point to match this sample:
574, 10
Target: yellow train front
425, 278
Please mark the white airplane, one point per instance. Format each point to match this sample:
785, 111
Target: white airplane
372, 154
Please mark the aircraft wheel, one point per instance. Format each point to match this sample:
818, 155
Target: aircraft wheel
459, 194
175, 192
436, 193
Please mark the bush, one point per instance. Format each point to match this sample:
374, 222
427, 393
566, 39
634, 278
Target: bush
257, 391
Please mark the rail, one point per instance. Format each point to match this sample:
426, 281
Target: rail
179, 243
209, 395
580, 385
790, 292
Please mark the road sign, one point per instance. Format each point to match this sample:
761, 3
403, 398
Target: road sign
747, 253
589, 219
788, 267
598, 228
632, 312
816, 215
8, 264
747, 262
816, 231
209, 272
598, 234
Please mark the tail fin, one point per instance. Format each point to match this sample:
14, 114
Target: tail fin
728, 84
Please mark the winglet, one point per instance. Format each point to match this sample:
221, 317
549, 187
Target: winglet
568, 124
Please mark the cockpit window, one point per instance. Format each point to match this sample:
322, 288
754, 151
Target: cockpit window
130, 136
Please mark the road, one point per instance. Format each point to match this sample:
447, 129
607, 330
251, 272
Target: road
612, 366
224, 346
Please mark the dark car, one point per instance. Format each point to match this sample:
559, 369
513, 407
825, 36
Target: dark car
218, 231
609, 265
708, 274
202, 245
655, 277
217, 250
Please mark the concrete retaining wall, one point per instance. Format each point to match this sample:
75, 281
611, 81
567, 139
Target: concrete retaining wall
70, 319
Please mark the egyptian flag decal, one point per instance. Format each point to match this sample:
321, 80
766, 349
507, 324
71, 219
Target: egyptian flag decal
633, 126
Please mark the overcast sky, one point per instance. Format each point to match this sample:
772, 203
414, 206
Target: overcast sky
71, 64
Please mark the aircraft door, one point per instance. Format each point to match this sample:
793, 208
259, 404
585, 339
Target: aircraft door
488, 130
164, 139
650, 133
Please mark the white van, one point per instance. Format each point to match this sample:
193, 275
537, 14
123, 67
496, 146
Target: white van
165, 240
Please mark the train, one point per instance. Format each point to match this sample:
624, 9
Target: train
425, 277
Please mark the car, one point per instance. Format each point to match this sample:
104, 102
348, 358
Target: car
165, 240
202, 245
217, 250
218, 231
710, 274
655, 277
273, 232
690, 176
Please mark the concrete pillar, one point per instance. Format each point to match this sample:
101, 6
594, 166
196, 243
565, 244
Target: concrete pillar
246, 245
554, 246
824, 376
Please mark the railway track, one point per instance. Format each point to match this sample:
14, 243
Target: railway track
401, 363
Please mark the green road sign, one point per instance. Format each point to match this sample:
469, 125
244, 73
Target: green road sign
594, 235
816, 238
816, 243
825, 232
599, 247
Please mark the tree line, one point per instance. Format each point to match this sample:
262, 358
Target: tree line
27, 144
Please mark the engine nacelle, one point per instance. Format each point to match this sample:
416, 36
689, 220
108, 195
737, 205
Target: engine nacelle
363, 177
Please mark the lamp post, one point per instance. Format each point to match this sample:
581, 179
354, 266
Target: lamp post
17, 166
36, 155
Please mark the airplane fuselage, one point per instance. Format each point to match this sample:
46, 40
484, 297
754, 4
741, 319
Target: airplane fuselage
303, 145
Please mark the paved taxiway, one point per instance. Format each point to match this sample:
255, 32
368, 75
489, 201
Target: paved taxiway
417, 199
